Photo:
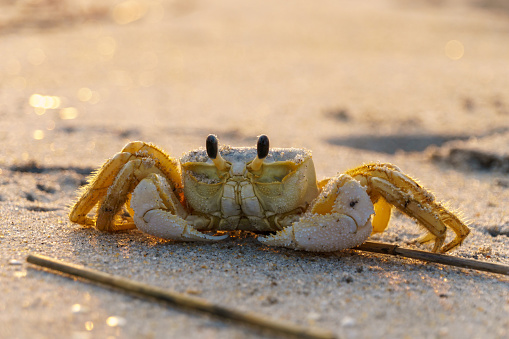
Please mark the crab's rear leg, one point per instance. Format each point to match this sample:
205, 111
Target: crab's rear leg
158, 212
339, 218
386, 185
119, 195
96, 189
99, 188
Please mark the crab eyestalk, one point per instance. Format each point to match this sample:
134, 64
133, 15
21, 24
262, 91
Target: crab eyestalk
213, 153
262, 149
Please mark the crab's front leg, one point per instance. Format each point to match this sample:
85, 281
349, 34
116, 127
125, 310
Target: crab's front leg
158, 212
339, 218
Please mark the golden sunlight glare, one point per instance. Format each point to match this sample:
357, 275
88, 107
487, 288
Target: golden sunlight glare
454, 50
85, 94
44, 101
115, 321
107, 46
68, 113
128, 11
38, 134
89, 326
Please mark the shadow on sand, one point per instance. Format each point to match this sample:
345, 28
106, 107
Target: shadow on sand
393, 143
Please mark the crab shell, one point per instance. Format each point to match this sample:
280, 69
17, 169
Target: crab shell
240, 197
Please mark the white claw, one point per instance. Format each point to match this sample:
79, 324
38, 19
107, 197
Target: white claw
152, 216
192, 234
346, 224
165, 225
283, 238
320, 233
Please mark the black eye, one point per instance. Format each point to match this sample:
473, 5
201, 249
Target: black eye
262, 147
211, 145
353, 203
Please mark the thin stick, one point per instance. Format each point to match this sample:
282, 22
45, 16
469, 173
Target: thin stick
433, 257
182, 300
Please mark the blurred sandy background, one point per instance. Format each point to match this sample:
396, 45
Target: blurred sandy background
422, 84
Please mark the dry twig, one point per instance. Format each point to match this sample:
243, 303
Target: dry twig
277, 326
182, 300
433, 257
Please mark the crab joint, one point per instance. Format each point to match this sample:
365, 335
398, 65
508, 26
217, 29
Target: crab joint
262, 149
213, 153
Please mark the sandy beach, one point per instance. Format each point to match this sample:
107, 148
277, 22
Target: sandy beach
421, 84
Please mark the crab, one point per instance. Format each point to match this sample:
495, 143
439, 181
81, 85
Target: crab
271, 191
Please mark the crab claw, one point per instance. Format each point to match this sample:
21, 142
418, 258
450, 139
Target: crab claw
164, 225
339, 218
156, 212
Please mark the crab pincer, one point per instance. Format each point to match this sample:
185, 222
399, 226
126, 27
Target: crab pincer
339, 218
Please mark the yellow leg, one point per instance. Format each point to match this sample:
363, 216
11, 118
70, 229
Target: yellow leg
111, 185
387, 181
382, 215
118, 194
170, 167
96, 189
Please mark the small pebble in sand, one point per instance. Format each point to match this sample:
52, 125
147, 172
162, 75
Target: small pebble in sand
346, 277
20, 274
348, 321
313, 316
270, 300
193, 291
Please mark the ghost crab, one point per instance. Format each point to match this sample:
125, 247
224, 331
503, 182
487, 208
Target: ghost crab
256, 189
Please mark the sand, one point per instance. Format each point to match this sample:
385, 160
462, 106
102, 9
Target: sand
423, 85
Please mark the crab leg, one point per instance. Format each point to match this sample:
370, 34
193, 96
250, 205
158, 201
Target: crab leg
339, 218
96, 189
158, 212
118, 194
387, 182
108, 175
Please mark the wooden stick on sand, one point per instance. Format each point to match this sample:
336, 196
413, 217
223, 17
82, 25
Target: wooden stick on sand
281, 327
182, 300
433, 257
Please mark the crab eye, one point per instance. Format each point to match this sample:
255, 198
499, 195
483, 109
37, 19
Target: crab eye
211, 145
262, 147
213, 153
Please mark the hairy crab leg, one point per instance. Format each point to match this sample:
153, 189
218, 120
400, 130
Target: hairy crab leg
100, 182
339, 218
118, 193
96, 189
407, 195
